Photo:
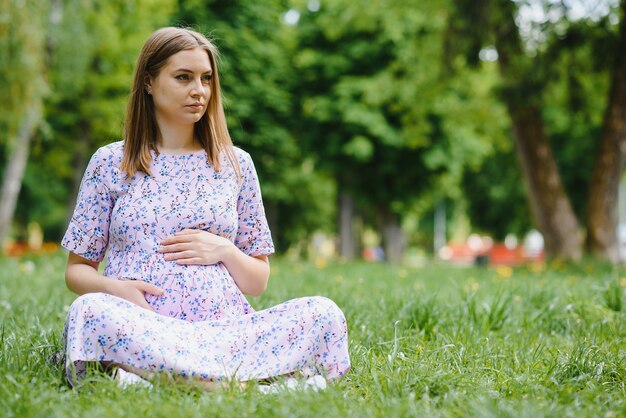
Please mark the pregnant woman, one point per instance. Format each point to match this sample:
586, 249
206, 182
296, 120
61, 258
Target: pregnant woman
178, 211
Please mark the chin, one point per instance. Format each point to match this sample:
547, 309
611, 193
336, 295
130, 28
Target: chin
193, 118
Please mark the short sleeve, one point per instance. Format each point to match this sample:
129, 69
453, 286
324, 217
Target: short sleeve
88, 231
253, 233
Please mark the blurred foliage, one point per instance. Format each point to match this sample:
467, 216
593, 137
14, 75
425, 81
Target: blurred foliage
496, 199
23, 86
564, 69
575, 99
378, 113
372, 98
92, 52
22, 61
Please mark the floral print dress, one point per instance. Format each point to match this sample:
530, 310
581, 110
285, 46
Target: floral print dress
202, 326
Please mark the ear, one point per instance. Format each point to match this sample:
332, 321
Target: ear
148, 84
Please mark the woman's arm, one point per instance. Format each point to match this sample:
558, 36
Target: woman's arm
250, 273
194, 246
81, 276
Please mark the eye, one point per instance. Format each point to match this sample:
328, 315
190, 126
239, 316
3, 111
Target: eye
182, 77
207, 78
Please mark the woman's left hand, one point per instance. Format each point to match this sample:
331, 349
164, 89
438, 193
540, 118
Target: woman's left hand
195, 246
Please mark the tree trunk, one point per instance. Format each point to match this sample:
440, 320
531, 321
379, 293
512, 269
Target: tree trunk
346, 226
548, 200
603, 192
14, 171
392, 234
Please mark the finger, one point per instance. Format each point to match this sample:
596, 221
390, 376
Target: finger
143, 304
174, 248
192, 261
149, 288
175, 239
179, 255
140, 300
170, 240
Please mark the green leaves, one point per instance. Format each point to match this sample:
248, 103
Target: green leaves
22, 61
386, 99
373, 86
91, 51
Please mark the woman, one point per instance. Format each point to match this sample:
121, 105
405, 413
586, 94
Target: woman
178, 210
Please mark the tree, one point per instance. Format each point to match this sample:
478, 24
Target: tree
86, 106
526, 71
380, 117
23, 86
603, 192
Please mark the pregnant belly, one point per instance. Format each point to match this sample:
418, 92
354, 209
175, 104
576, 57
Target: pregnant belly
198, 294
190, 293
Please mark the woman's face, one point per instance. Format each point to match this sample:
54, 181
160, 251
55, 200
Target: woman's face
181, 91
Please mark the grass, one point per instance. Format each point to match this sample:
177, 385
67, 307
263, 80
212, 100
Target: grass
436, 341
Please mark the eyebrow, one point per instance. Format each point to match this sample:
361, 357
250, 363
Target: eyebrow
184, 70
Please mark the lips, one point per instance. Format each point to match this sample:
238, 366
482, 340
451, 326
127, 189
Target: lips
196, 106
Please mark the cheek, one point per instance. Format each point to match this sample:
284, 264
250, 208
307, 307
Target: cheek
160, 101
168, 97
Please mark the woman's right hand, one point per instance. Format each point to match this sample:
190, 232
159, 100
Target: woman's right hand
81, 276
134, 291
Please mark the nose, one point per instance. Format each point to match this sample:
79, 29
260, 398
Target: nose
198, 88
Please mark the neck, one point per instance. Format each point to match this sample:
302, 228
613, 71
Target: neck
176, 138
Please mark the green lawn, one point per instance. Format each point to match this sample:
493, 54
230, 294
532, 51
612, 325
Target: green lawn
435, 341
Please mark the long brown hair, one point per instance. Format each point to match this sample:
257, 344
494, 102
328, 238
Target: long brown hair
140, 126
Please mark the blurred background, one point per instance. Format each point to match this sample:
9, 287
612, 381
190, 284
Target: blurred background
474, 131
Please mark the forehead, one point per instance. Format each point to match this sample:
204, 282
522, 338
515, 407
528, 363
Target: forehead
196, 60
